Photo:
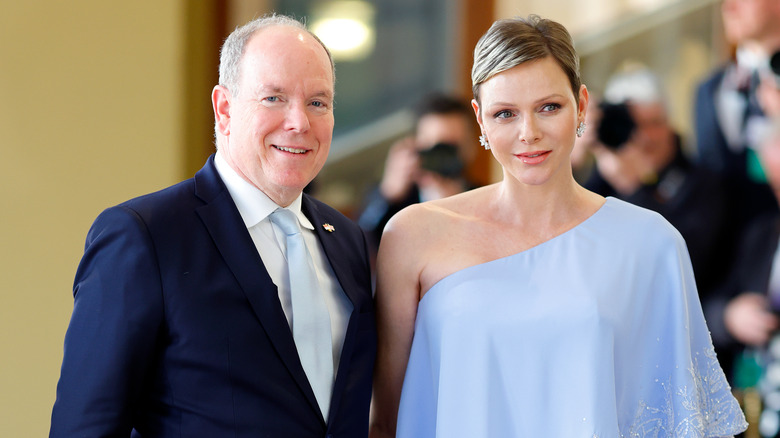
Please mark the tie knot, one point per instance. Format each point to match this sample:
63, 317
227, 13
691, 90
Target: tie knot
286, 220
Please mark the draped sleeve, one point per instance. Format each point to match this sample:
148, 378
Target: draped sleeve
680, 389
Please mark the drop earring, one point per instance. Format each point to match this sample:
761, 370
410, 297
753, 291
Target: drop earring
581, 129
484, 142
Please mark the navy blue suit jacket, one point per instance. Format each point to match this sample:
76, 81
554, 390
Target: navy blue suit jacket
177, 329
747, 199
711, 145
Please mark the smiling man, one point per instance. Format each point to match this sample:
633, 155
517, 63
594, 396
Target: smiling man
230, 304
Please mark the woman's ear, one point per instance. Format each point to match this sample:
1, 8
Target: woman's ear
475, 105
582, 109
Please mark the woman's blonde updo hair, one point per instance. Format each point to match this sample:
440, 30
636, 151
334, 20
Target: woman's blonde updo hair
511, 42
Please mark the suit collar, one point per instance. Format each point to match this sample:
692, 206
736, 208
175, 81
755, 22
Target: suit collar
226, 227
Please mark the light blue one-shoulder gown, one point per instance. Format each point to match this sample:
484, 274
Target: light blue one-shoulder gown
597, 332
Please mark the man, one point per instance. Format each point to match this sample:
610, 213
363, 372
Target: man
442, 121
729, 120
751, 303
187, 321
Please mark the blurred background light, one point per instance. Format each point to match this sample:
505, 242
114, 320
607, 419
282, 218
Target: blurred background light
346, 27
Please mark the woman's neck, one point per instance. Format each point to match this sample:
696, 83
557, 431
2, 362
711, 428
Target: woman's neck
553, 204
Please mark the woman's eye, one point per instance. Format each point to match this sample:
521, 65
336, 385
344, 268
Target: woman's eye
503, 114
550, 107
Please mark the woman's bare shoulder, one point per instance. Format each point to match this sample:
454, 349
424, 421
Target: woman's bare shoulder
433, 217
414, 220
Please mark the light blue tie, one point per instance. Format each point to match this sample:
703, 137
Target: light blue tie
310, 319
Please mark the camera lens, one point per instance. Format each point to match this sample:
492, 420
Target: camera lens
774, 65
616, 125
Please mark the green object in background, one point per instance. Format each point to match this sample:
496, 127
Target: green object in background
755, 171
748, 368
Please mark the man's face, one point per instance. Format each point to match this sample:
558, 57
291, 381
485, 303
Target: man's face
750, 20
441, 128
653, 134
277, 128
446, 128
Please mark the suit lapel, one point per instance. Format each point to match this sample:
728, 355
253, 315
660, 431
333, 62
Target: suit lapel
339, 262
334, 250
229, 233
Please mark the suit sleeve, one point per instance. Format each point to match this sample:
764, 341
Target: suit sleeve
113, 331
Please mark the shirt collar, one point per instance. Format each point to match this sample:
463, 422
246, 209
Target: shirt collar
752, 60
253, 205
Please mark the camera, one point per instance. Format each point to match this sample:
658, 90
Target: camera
443, 159
774, 67
616, 125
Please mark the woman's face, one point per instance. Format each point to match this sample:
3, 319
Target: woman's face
529, 115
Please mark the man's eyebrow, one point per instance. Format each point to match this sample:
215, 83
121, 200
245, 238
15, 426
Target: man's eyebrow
271, 88
324, 94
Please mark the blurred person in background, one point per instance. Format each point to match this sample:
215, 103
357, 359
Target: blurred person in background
640, 159
751, 298
425, 166
729, 119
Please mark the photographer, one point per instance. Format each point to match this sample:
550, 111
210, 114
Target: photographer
640, 159
425, 166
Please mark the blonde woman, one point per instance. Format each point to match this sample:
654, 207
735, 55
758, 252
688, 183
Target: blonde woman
533, 307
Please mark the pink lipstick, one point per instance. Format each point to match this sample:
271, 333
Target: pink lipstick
535, 157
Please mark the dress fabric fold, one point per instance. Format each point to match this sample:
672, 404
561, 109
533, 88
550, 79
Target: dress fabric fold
597, 332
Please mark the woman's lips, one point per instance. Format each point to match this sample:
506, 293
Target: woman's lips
535, 157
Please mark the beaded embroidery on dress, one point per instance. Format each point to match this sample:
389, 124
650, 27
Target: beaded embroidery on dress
707, 407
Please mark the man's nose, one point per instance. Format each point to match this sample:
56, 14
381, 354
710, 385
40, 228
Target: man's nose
297, 118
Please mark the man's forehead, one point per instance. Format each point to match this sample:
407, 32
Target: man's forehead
284, 38
286, 46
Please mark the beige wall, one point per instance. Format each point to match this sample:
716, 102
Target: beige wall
90, 115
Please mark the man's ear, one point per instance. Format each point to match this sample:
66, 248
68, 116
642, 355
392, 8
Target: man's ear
220, 100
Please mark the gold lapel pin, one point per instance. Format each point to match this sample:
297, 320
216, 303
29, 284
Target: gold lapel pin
328, 227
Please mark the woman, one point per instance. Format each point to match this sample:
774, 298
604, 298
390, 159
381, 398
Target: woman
533, 307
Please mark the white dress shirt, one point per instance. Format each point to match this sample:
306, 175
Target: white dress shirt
731, 103
271, 243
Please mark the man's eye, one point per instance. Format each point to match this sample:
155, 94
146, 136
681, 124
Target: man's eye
320, 104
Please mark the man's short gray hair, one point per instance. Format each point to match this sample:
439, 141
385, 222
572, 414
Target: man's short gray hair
233, 48
636, 84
